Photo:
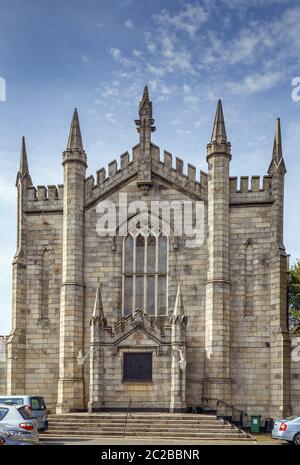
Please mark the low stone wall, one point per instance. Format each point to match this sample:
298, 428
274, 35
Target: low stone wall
3, 365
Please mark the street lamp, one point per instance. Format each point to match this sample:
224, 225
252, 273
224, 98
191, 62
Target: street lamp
82, 358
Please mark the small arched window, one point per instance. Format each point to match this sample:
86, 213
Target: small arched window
145, 275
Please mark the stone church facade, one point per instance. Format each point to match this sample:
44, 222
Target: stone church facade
102, 319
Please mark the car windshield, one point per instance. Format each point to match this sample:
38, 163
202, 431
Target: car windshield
292, 418
12, 400
3, 412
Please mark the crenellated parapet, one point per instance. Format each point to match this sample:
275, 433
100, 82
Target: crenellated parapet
41, 198
175, 173
250, 189
108, 180
120, 173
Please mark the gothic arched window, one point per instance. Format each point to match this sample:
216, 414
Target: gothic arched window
145, 273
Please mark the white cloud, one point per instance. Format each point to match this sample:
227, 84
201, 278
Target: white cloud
129, 24
183, 131
84, 59
111, 117
191, 100
117, 56
137, 53
256, 83
115, 53
158, 71
150, 44
189, 19
110, 91
186, 89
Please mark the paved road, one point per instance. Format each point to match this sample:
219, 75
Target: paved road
107, 441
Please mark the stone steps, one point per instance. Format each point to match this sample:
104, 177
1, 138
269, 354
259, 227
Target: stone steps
184, 436
137, 430
114, 416
143, 425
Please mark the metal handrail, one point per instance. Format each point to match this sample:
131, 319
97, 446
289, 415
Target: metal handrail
126, 418
232, 407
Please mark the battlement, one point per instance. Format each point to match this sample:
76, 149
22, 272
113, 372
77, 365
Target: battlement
173, 170
254, 188
105, 178
250, 184
166, 164
127, 168
45, 197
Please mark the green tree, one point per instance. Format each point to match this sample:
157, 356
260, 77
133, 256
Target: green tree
294, 293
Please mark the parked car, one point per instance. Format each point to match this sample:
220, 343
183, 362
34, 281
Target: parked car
11, 437
36, 404
18, 421
287, 430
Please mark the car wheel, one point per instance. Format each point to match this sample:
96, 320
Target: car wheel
297, 439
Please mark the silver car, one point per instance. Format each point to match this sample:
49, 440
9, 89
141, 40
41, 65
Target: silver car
287, 430
18, 420
36, 404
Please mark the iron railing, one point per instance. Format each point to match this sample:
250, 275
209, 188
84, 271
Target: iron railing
235, 412
128, 413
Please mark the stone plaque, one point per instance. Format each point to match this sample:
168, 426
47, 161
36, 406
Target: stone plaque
137, 366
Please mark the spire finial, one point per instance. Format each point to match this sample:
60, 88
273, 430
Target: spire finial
277, 163
277, 147
145, 122
178, 313
146, 93
98, 314
219, 132
23, 158
178, 309
23, 167
145, 106
75, 140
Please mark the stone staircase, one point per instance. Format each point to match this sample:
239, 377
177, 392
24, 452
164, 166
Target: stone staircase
183, 426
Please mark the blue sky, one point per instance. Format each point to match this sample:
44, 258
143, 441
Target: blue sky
98, 55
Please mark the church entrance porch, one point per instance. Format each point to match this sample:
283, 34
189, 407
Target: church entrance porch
139, 363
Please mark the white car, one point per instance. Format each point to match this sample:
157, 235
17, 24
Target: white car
288, 430
18, 419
